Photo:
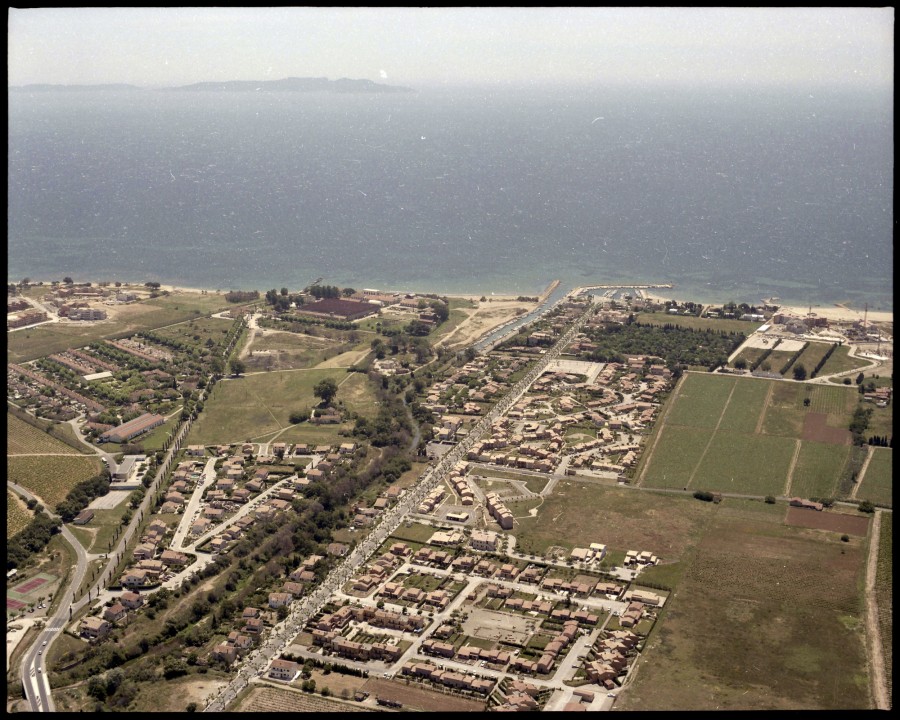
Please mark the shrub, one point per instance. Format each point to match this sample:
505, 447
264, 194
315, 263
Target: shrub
770, 499
866, 506
703, 495
845, 538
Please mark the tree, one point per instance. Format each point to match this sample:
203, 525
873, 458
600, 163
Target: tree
284, 292
238, 367
799, 372
67, 280
325, 390
770, 499
348, 291
859, 379
740, 364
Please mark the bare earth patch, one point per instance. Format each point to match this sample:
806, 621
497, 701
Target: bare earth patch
836, 522
416, 697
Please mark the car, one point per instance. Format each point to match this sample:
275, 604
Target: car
40, 652
610, 695
45, 642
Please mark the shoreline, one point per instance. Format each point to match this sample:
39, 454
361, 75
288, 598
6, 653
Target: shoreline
836, 312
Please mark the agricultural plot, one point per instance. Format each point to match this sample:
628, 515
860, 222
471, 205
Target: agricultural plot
701, 398
818, 469
785, 600
748, 402
675, 456
580, 513
17, 514
742, 463
759, 422
877, 484
25, 439
50, 477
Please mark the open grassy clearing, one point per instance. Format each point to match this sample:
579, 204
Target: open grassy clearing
695, 323
884, 593
580, 513
145, 315
762, 587
818, 469
878, 482
17, 514
22, 438
197, 332
254, 405
52, 476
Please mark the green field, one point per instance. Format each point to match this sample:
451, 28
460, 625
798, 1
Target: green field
818, 469
701, 398
50, 477
742, 463
877, 483
759, 424
257, 405
154, 440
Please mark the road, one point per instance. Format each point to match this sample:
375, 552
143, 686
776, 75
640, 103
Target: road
302, 610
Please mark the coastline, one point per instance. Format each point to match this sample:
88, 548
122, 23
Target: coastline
834, 313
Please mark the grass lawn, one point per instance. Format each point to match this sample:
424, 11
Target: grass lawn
51, 477
877, 483
812, 354
762, 586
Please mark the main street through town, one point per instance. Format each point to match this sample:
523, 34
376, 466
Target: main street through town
304, 609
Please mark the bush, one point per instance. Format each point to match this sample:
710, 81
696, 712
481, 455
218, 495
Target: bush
703, 495
845, 538
866, 506
770, 500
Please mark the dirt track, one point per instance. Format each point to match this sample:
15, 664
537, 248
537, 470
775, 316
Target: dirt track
873, 632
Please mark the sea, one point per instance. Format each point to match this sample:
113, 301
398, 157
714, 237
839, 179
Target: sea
726, 193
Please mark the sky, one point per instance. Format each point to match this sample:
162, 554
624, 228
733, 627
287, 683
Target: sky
430, 46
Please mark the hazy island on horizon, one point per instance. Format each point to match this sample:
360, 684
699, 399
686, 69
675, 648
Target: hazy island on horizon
291, 84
